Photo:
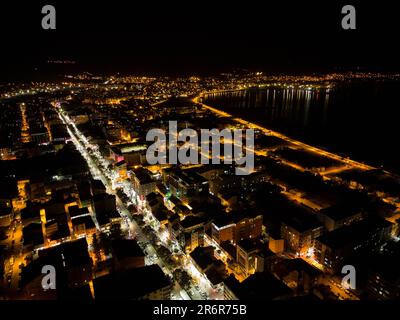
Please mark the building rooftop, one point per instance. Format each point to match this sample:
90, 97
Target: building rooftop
357, 232
69, 254
62, 230
84, 191
339, 212
128, 147
216, 274
225, 219
299, 265
143, 175
130, 284
97, 186
191, 221
75, 211
124, 248
249, 244
259, 286
86, 220
64, 257
188, 177
301, 220
386, 263
203, 256
161, 214
33, 234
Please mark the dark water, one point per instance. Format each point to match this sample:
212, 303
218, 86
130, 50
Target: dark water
358, 119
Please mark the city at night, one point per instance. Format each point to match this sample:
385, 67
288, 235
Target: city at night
239, 156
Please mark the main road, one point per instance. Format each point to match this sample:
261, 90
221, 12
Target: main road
99, 167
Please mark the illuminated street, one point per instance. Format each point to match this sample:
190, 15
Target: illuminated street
95, 162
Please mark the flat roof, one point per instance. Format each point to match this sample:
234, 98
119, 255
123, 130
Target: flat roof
203, 256
356, 232
143, 175
301, 220
338, 212
130, 284
68, 254
187, 176
191, 221
86, 220
124, 248
259, 286
225, 219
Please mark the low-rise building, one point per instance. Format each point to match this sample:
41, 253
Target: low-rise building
259, 286
237, 226
298, 275
190, 232
334, 248
253, 256
143, 182
72, 264
207, 264
105, 209
299, 231
337, 216
144, 283
83, 225
185, 184
127, 254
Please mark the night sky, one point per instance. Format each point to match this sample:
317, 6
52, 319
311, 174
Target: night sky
203, 37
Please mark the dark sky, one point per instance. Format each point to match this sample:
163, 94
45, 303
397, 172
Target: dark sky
203, 37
